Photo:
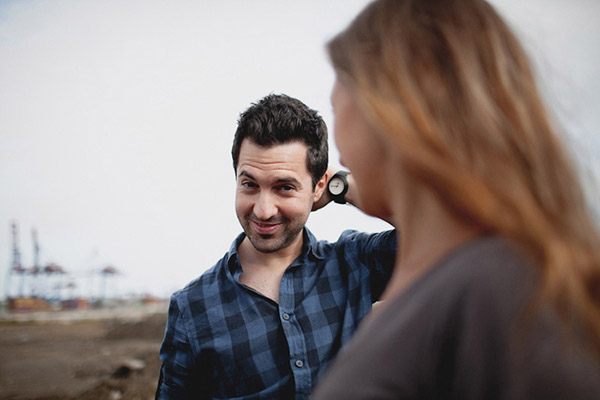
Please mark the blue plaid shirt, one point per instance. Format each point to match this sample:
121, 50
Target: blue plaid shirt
224, 340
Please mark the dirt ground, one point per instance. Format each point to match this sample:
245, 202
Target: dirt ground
81, 358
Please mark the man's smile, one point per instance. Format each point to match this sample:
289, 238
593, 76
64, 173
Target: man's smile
265, 228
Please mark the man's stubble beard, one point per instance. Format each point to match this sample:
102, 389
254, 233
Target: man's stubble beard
273, 243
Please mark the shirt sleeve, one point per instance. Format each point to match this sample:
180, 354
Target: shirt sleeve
179, 376
376, 251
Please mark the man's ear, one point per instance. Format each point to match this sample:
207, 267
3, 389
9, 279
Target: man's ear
321, 196
321, 185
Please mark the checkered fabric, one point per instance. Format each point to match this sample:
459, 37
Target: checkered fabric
225, 340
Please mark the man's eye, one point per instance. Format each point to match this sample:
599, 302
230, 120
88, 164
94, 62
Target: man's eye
248, 185
286, 188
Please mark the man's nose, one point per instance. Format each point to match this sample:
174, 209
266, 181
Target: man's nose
265, 206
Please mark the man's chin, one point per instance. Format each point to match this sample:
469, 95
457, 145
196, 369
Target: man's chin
266, 245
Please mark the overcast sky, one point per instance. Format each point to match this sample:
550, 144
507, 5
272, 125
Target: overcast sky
116, 119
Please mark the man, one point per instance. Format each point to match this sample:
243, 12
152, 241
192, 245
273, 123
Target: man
266, 319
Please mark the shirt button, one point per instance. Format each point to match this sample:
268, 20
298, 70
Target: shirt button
299, 363
285, 316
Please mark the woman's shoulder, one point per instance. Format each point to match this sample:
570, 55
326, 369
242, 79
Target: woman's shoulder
488, 267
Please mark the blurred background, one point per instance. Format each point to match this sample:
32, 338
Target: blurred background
116, 123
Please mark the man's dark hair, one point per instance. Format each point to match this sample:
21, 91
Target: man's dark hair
280, 119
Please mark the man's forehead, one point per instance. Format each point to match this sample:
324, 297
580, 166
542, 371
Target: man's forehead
275, 172
278, 158
251, 145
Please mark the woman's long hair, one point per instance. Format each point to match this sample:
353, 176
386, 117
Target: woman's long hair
450, 86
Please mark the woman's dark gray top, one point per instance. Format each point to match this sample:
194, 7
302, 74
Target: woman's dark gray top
461, 332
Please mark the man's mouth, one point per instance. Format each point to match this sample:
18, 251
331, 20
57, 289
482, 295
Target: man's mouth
265, 228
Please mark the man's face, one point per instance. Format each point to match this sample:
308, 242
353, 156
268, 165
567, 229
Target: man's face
274, 194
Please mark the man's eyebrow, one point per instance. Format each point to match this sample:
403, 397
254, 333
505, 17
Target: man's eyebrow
246, 174
288, 180
282, 180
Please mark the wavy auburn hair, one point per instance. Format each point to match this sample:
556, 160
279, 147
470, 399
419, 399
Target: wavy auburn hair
449, 85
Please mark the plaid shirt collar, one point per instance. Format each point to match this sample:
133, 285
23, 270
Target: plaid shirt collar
309, 248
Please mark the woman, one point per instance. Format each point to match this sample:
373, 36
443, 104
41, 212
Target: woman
496, 288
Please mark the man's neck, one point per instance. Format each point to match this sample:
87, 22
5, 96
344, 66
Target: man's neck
279, 259
263, 271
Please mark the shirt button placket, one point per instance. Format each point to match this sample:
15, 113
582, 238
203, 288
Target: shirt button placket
295, 337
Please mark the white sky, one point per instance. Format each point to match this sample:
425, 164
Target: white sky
116, 118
